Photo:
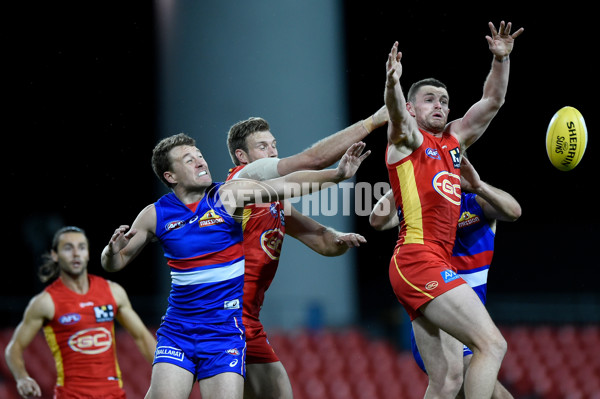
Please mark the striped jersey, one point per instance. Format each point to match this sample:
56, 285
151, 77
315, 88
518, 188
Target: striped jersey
205, 254
426, 186
474, 245
81, 337
264, 231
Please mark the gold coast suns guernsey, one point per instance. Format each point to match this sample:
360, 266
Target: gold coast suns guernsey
81, 337
264, 230
426, 186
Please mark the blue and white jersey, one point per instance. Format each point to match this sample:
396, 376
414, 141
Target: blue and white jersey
205, 253
474, 245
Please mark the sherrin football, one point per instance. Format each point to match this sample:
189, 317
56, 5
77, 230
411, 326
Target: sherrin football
566, 138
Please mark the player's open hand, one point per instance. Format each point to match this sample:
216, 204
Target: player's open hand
350, 240
501, 42
469, 178
393, 66
351, 160
120, 238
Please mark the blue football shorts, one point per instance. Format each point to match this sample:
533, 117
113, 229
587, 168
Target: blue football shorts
205, 350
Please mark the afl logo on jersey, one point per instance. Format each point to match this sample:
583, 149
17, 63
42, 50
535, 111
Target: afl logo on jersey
174, 225
69, 318
432, 153
91, 341
271, 241
447, 185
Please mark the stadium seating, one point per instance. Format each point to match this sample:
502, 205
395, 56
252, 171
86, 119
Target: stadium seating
543, 362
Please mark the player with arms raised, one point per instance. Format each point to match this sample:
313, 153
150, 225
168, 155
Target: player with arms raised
423, 159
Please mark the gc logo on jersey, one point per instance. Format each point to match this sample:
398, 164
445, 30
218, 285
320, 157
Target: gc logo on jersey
104, 313
447, 185
91, 341
271, 242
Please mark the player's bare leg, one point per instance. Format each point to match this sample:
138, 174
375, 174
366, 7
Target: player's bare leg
500, 391
461, 313
222, 386
267, 381
170, 381
442, 357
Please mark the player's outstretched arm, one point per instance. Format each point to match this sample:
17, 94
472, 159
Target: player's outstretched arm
402, 127
321, 239
125, 244
239, 192
476, 120
329, 150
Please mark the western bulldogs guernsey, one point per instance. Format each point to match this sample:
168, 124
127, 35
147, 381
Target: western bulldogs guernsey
474, 245
204, 251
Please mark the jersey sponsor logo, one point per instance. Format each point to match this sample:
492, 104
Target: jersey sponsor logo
169, 352
91, 341
455, 154
234, 304
271, 242
432, 285
210, 218
447, 185
449, 275
69, 318
104, 313
432, 153
467, 219
174, 225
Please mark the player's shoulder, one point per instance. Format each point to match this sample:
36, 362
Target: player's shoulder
41, 305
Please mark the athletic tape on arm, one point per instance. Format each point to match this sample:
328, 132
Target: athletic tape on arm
261, 169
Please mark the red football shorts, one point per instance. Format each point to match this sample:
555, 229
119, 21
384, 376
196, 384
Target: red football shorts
418, 274
99, 392
258, 348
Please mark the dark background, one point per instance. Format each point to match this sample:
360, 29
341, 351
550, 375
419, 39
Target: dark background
82, 124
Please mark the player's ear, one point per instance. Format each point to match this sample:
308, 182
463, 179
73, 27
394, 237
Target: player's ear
241, 156
170, 177
410, 109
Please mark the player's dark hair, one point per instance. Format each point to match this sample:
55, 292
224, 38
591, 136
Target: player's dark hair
236, 138
160, 155
49, 269
412, 92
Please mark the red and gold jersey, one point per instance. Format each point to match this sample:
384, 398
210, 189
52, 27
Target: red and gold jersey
426, 186
81, 337
264, 230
